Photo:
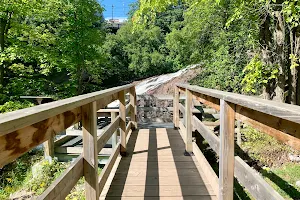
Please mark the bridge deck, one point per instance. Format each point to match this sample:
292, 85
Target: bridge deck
156, 168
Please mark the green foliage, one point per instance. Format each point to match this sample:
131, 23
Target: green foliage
12, 176
14, 105
46, 172
257, 75
264, 148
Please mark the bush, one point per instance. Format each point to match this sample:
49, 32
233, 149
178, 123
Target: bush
14, 105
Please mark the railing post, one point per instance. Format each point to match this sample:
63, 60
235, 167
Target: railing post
90, 154
188, 120
133, 117
226, 164
176, 107
122, 112
114, 137
49, 149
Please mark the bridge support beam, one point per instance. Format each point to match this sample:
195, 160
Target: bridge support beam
133, 109
226, 164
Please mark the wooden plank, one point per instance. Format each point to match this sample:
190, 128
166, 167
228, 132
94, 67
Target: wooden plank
122, 123
254, 182
182, 130
133, 107
196, 197
281, 129
247, 176
188, 117
207, 169
128, 127
90, 153
108, 167
176, 107
49, 148
17, 143
62, 186
103, 139
114, 137
226, 163
207, 134
73, 142
162, 191
281, 110
12, 121
63, 140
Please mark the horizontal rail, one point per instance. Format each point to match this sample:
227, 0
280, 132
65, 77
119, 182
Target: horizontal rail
280, 110
243, 172
102, 140
62, 186
16, 120
108, 167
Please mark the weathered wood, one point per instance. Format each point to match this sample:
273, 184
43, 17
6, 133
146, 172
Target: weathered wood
281, 129
90, 153
226, 164
108, 167
103, 102
254, 183
188, 117
49, 148
17, 143
114, 137
62, 186
207, 100
281, 110
128, 127
182, 130
176, 107
133, 109
238, 133
207, 134
122, 122
207, 169
102, 140
13, 121
63, 140
247, 176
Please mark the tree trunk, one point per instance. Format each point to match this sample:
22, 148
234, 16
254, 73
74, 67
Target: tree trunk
295, 44
265, 42
279, 58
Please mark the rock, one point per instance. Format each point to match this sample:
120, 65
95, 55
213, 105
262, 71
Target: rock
294, 158
21, 195
298, 183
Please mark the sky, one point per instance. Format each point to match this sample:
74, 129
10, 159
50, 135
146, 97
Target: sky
121, 8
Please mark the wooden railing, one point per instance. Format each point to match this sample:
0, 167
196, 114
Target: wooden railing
23, 130
282, 121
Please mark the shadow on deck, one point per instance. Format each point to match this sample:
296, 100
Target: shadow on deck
156, 168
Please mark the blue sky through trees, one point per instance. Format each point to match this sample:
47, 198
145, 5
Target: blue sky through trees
121, 8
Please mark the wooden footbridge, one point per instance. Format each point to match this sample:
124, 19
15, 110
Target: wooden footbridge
156, 163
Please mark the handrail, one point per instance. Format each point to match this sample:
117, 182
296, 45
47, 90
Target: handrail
276, 119
25, 129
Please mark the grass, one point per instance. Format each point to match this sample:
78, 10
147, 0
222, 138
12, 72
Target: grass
271, 158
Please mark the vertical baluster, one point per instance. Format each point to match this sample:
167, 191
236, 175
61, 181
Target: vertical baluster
188, 120
226, 164
133, 107
114, 137
89, 124
122, 122
176, 107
